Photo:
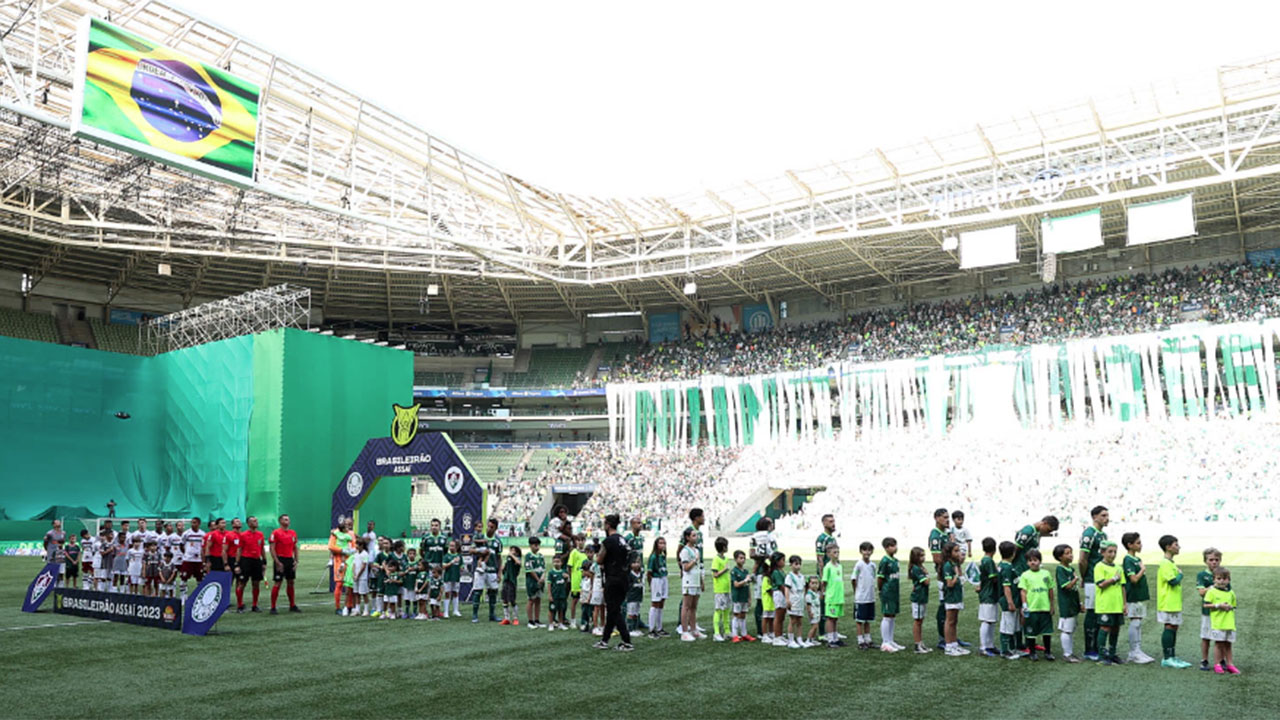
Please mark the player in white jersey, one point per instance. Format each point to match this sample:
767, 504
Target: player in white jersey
192, 555
963, 537
92, 558
147, 534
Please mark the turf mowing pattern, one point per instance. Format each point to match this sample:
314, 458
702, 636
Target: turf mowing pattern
315, 664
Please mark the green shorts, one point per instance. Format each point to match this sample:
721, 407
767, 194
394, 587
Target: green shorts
833, 611
557, 604
888, 605
1111, 620
533, 590
1038, 623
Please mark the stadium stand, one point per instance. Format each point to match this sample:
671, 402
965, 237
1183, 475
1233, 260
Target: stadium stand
652, 486
438, 379
28, 326
1118, 305
494, 466
1148, 473
425, 506
114, 337
618, 354
552, 367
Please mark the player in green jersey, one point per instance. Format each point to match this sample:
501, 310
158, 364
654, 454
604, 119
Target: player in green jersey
1221, 603
887, 585
989, 590
1204, 581
535, 570
433, 545
1010, 619
435, 587
740, 595
940, 535
1068, 584
575, 560
1028, 538
657, 574
635, 541
919, 597
488, 564
833, 588
451, 578
720, 586
1169, 602
409, 580
1109, 601
391, 589
1090, 553
825, 538
1136, 595
952, 595
635, 593
1036, 589
558, 587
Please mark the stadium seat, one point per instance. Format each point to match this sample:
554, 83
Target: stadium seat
28, 326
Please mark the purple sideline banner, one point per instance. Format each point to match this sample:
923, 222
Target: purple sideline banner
41, 587
157, 612
427, 453
203, 607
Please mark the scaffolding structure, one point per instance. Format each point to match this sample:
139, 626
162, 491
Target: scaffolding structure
256, 311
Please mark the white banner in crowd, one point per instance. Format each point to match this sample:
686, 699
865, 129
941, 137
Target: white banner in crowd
1215, 370
985, 248
1161, 220
1072, 233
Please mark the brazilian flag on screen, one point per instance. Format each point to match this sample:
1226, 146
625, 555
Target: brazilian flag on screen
144, 97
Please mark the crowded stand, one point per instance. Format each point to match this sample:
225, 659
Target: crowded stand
1176, 473
657, 488
1112, 306
1156, 473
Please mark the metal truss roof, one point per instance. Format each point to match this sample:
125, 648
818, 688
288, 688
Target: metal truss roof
366, 208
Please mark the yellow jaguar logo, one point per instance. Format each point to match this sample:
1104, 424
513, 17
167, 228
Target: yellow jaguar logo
404, 426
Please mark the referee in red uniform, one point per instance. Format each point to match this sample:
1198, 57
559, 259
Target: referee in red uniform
249, 563
284, 555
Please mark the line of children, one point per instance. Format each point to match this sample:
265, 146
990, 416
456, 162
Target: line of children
410, 587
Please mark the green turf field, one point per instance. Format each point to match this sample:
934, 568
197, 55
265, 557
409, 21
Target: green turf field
318, 665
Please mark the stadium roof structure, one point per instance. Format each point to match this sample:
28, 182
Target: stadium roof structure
367, 209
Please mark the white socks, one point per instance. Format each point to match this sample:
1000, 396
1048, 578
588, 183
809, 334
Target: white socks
987, 635
1135, 636
655, 619
1067, 644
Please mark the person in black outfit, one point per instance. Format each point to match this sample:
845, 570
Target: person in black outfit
613, 558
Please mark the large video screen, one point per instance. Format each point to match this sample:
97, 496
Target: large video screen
142, 97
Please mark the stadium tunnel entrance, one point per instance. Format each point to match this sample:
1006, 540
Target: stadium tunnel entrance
390, 467
769, 502
574, 497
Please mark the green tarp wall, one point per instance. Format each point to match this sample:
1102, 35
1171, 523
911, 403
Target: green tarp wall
263, 423
60, 442
317, 401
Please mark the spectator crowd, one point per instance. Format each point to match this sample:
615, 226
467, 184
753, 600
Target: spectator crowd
1112, 306
1158, 473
